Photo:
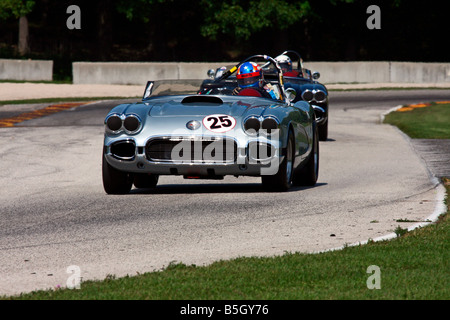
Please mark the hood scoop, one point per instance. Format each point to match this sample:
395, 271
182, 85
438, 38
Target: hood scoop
203, 99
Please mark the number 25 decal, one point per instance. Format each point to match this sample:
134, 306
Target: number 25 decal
219, 122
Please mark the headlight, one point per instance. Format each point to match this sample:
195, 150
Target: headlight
132, 124
115, 123
307, 95
270, 124
252, 125
314, 95
320, 96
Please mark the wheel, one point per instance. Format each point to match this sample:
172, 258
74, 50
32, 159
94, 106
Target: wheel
323, 131
144, 180
282, 180
308, 174
115, 181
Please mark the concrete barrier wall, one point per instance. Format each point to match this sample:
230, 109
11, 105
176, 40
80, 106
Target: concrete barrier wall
331, 72
348, 72
138, 72
420, 72
27, 70
381, 72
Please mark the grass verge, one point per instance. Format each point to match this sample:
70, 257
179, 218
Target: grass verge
427, 121
413, 266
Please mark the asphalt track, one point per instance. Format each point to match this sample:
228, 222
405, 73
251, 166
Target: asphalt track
55, 214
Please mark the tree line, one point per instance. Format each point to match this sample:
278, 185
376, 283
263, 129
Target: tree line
227, 30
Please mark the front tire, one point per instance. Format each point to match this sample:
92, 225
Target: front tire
115, 181
323, 131
143, 180
282, 180
309, 173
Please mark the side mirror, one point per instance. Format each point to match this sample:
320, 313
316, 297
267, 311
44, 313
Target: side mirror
316, 75
211, 73
290, 94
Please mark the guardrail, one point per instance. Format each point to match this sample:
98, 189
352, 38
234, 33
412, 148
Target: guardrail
26, 70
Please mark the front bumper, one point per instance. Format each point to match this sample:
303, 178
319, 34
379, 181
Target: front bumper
256, 158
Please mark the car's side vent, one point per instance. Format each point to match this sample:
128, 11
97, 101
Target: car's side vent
202, 99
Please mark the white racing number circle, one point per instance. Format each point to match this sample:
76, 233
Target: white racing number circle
219, 122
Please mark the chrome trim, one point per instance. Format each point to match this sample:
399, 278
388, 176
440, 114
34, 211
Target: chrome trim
130, 141
321, 118
271, 117
192, 139
195, 124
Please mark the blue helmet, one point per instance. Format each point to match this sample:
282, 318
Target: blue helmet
248, 75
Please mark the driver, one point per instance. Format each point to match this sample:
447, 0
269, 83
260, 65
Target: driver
250, 76
286, 65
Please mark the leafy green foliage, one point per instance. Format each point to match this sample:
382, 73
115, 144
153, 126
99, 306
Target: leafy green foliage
242, 17
138, 8
15, 8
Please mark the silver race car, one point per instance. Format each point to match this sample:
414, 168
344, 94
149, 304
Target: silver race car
211, 132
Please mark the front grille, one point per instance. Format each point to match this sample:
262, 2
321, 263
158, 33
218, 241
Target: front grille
123, 150
192, 151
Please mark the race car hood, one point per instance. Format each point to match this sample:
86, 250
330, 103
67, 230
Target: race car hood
199, 106
167, 116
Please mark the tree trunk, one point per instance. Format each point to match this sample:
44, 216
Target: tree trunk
23, 36
105, 29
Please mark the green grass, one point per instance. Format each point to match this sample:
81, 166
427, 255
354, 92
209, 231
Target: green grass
413, 266
431, 122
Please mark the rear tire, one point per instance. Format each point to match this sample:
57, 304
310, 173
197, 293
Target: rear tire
309, 173
115, 181
282, 180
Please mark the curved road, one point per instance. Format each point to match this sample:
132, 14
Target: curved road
55, 214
